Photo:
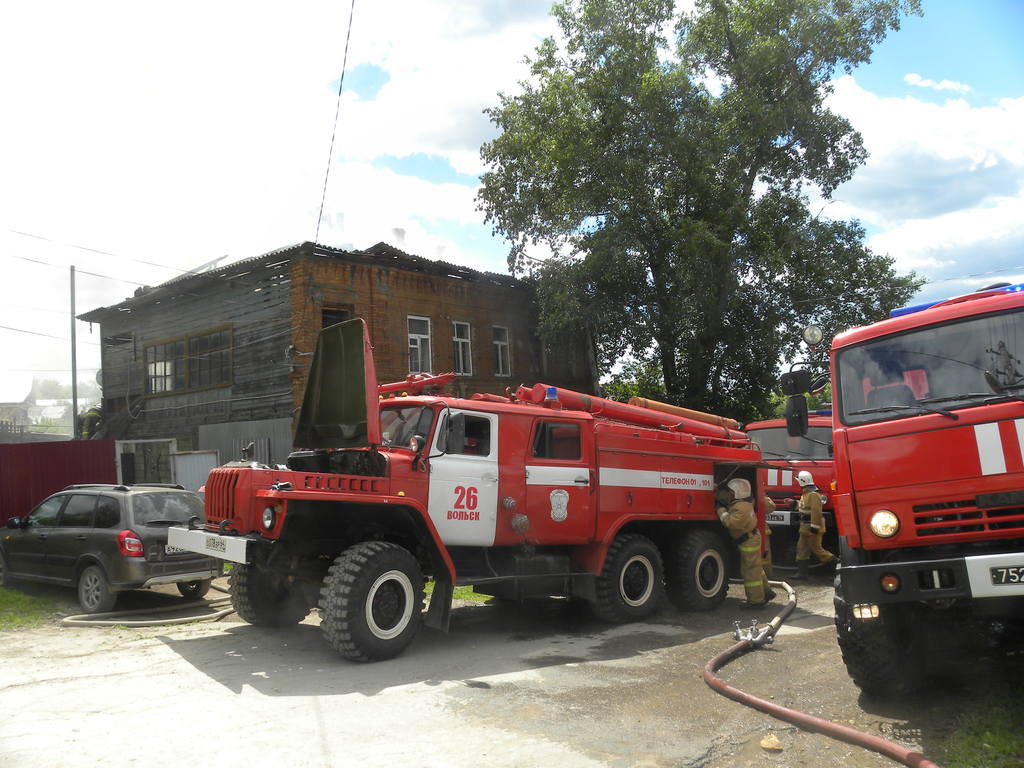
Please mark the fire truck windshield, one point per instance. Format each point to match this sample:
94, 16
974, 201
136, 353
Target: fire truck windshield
936, 369
777, 444
399, 424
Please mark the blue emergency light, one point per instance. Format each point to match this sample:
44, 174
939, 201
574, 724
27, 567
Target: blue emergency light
921, 307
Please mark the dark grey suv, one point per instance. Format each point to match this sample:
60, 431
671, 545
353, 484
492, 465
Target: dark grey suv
104, 539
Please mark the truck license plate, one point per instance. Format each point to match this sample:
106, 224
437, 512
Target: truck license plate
1011, 574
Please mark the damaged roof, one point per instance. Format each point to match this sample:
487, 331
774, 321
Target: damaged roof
380, 255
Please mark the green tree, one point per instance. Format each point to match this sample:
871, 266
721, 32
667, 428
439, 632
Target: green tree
673, 182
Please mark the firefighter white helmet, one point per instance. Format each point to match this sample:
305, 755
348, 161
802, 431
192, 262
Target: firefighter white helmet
740, 488
804, 478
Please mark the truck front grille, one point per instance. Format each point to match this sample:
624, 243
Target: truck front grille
220, 495
952, 517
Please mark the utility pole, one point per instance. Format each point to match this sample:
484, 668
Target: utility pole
74, 365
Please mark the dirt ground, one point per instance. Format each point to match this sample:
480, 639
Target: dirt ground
510, 685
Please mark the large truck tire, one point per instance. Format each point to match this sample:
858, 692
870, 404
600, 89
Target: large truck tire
631, 583
264, 600
371, 601
883, 656
697, 573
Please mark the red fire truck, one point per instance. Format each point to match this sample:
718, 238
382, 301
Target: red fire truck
929, 456
542, 491
786, 455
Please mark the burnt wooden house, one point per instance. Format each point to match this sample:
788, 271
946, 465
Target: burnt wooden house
217, 360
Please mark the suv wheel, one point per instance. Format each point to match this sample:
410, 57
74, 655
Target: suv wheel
5, 579
194, 590
94, 593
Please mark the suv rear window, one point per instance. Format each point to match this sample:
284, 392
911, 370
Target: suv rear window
165, 508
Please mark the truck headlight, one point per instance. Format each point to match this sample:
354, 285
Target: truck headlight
884, 524
269, 517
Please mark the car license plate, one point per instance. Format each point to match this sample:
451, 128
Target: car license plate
170, 550
1010, 574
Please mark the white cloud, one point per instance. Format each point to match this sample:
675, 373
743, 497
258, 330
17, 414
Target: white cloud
942, 85
179, 135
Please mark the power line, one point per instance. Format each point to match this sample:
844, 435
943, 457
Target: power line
103, 253
47, 335
337, 111
77, 271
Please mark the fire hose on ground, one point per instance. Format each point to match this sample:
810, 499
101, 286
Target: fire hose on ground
754, 638
115, 618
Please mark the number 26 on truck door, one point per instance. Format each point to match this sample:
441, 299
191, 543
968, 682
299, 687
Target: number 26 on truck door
465, 497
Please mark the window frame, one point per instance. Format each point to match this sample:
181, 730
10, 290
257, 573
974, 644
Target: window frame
499, 347
466, 345
419, 338
189, 370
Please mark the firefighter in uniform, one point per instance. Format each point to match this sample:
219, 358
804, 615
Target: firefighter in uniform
812, 526
769, 507
737, 515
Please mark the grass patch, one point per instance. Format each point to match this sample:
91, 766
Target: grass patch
461, 593
18, 609
991, 736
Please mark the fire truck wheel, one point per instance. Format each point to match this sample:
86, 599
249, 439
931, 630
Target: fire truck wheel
697, 576
883, 656
194, 590
263, 599
371, 601
630, 585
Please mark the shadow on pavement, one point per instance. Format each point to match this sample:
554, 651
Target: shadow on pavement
485, 640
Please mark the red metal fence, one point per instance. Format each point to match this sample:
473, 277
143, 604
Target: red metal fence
29, 472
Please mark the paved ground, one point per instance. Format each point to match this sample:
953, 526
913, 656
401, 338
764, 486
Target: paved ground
511, 685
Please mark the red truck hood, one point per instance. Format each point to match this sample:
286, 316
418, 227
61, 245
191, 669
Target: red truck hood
340, 405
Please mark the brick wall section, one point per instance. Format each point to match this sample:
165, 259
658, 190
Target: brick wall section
385, 296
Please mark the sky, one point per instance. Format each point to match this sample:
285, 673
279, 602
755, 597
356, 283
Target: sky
142, 140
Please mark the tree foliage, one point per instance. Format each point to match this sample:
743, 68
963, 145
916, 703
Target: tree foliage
672, 183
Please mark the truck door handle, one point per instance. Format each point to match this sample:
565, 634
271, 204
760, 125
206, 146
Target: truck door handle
582, 481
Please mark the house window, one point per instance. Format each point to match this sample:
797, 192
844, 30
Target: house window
463, 349
329, 317
165, 367
502, 361
419, 344
209, 363
193, 362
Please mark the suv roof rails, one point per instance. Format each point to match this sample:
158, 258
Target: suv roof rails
108, 486
176, 486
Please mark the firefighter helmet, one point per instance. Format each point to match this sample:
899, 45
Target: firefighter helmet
804, 478
739, 487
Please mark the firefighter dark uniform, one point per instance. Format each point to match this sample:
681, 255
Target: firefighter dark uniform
739, 518
812, 526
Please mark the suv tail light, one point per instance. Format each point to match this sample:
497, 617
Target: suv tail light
129, 544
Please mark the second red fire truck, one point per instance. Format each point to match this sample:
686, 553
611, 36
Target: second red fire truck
541, 491
928, 410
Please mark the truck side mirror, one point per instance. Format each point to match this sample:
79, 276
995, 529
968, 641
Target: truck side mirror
796, 416
796, 382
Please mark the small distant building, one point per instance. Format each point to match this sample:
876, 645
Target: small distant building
217, 360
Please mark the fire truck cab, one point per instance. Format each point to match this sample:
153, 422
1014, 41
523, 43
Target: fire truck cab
785, 455
929, 460
542, 491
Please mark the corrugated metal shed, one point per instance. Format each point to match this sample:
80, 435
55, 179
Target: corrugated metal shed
30, 472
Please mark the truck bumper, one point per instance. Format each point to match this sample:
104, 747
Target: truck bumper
999, 575
233, 548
